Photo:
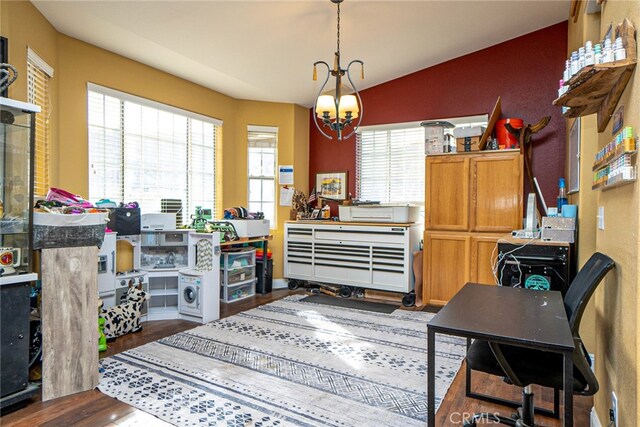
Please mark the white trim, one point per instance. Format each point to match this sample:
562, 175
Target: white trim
266, 129
18, 278
33, 57
19, 105
280, 284
149, 103
594, 421
481, 118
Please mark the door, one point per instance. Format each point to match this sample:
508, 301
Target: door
447, 193
446, 265
496, 192
483, 254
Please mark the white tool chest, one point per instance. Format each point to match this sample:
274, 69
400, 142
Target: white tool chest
367, 256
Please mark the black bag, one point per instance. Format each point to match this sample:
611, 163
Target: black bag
124, 221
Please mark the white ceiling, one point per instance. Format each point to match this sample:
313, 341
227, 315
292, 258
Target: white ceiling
265, 50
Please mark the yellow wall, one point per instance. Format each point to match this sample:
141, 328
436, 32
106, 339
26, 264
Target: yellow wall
588, 28
23, 25
293, 141
617, 325
76, 63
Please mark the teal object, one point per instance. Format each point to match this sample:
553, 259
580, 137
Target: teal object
537, 283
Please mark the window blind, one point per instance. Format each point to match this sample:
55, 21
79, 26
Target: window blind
143, 151
39, 75
390, 165
262, 145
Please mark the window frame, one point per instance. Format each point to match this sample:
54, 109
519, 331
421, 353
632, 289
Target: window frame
263, 178
215, 137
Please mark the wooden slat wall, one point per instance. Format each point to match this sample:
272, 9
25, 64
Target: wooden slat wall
69, 321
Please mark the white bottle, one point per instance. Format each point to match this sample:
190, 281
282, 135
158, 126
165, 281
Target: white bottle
589, 58
598, 54
574, 63
580, 58
607, 52
567, 70
619, 52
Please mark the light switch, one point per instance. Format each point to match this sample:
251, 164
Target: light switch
600, 217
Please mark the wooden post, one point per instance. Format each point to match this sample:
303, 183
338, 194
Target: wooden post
69, 321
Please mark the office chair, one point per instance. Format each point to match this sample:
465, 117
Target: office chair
525, 367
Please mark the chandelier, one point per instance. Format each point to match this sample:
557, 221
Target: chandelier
339, 110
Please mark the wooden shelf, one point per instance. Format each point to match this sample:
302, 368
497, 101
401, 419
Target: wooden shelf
597, 88
617, 181
612, 158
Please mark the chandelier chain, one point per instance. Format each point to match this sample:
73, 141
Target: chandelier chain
338, 43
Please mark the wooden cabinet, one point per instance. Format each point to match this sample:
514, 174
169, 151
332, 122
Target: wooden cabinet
471, 200
496, 193
447, 201
446, 266
483, 250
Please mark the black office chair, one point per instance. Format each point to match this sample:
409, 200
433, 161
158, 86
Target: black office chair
524, 367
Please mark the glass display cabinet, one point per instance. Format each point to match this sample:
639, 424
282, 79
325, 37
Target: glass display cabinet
17, 147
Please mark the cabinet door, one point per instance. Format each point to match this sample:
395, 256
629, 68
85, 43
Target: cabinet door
446, 265
447, 193
496, 192
483, 250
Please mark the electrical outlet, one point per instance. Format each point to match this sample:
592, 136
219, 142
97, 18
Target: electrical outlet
613, 415
600, 217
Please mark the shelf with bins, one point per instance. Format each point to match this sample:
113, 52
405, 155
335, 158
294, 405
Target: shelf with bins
237, 274
597, 88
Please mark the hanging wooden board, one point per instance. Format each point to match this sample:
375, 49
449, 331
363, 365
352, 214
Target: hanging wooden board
598, 88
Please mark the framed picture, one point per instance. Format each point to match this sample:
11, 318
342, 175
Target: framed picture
332, 185
315, 214
4, 57
574, 157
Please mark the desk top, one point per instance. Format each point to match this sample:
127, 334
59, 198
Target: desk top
507, 315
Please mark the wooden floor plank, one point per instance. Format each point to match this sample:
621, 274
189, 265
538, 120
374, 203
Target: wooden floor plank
92, 408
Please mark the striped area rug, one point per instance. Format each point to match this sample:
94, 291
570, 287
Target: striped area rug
288, 363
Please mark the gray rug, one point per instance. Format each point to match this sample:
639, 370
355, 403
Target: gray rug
351, 303
288, 363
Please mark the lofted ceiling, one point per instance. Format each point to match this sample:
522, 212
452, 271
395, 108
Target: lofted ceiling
265, 50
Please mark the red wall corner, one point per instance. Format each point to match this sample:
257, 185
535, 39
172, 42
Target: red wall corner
523, 71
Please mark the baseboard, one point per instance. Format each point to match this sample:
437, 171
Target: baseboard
280, 284
594, 420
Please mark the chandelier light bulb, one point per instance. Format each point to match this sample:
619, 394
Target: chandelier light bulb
326, 104
348, 104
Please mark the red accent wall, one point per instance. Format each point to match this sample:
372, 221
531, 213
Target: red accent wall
523, 71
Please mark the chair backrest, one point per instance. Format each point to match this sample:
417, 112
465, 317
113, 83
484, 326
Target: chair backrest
583, 286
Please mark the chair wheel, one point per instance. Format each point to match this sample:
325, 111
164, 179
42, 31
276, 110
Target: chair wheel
346, 291
293, 284
409, 299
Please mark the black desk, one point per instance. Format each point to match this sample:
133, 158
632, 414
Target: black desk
505, 315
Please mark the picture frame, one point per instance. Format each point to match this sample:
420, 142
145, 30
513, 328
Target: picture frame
332, 185
4, 58
315, 214
574, 157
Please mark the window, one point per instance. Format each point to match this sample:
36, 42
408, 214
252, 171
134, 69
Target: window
263, 142
39, 75
390, 160
143, 151
390, 165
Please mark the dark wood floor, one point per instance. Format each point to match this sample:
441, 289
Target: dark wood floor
92, 408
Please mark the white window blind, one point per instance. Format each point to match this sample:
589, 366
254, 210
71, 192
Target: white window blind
39, 75
143, 151
262, 143
390, 165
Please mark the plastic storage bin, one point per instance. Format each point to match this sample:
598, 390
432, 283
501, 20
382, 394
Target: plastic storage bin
237, 274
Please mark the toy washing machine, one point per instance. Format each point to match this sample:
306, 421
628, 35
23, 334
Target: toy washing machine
189, 288
199, 285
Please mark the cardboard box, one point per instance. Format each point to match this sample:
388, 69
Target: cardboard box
469, 143
468, 131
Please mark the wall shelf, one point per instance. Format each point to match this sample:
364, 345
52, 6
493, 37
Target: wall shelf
597, 88
612, 158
